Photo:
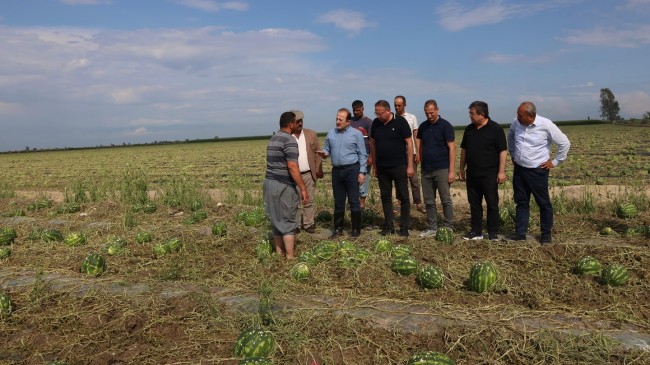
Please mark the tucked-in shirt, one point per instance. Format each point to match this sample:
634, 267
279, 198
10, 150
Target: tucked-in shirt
363, 125
482, 148
390, 141
433, 139
346, 147
530, 146
303, 161
282, 147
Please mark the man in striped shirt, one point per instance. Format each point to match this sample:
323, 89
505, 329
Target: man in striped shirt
281, 198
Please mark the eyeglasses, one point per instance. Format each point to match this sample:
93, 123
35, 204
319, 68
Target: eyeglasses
380, 113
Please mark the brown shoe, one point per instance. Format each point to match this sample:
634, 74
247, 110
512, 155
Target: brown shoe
420, 208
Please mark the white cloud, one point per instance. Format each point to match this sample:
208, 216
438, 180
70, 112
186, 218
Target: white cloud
352, 22
214, 6
139, 132
500, 58
628, 37
634, 104
454, 15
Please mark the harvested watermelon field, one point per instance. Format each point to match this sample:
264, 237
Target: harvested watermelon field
188, 306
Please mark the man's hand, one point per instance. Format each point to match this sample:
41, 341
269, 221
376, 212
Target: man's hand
501, 178
362, 178
546, 165
461, 175
305, 196
451, 177
369, 163
319, 175
409, 171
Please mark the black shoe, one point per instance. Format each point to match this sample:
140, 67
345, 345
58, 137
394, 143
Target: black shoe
296, 231
493, 237
310, 229
518, 237
336, 232
404, 232
546, 240
471, 236
387, 230
355, 233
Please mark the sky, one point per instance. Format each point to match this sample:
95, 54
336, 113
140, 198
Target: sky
79, 73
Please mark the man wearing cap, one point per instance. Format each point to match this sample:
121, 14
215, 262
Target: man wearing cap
311, 169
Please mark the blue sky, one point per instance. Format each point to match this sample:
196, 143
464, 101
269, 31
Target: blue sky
95, 72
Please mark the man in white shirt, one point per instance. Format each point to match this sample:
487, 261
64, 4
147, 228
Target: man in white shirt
400, 109
529, 143
311, 169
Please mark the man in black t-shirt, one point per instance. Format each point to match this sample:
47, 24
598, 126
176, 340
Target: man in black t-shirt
391, 148
483, 151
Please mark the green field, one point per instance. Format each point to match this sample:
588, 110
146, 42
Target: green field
188, 307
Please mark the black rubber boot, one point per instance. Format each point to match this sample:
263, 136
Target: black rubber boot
338, 224
356, 224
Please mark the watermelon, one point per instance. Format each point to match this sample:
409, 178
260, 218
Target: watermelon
6, 306
404, 265
587, 266
325, 250
300, 271
174, 245
31, 207
255, 361
626, 210
149, 208
324, 217
607, 231
196, 205
383, 245
35, 234
400, 250
5, 252
254, 342
429, 358
43, 203
353, 258
614, 275
136, 208
308, 258
254, 219
143, 237
505, 216
445, 235
51, 235
71, 207
94, 264
430, 277
346, 247
7, 235
74, 239
18, 213
114, 245
482, 277
200, 215
219, 229
264, 249
160, 249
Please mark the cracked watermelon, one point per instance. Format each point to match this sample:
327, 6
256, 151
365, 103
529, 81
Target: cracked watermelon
94, 264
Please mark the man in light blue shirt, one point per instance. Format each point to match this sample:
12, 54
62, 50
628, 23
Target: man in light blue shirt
347, 150
529, 143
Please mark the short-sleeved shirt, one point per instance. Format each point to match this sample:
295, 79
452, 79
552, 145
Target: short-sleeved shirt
282, 147
363, 125
433, 139
482, 148
390, 144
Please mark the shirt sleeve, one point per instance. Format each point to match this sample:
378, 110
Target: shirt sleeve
562, 142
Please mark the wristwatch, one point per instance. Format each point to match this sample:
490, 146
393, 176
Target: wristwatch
363, 173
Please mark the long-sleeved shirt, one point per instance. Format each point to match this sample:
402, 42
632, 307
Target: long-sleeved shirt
530, 146
346, 147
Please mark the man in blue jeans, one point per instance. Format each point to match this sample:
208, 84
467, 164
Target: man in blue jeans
529, 144
347, 150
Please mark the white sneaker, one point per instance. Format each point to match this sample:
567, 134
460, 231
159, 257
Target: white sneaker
429, 233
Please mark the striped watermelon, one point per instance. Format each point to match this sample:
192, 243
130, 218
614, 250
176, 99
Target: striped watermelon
7, 235
404, 265
346, 247
255, 361
300, 271
626, 210
74, 239
587, 266
174, 245
614, 275
160, 249
383, 245
51, 235
149, 208
5, 252
482, 277
429, 358
219, 229
506, 216
94, 264
430, 277
445, 235
308, 258
196, 205
6, 306
254, 342
400, 250
325, 250
143, 237
263, 249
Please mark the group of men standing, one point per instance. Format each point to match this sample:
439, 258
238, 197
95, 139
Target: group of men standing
389, 148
